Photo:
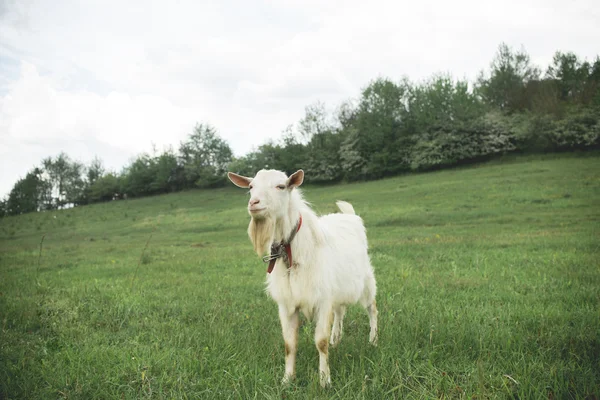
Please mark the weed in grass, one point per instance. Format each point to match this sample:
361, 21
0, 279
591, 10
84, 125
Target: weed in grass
146, 259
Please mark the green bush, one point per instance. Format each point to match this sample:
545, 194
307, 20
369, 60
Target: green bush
484, 137
104, 188
535, 133
578, 129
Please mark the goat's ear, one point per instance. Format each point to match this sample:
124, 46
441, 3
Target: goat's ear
295, 179
239, 180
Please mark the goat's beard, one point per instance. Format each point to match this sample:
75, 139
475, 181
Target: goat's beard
261, 233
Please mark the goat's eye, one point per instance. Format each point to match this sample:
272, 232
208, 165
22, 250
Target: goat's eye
280, 187
250, 187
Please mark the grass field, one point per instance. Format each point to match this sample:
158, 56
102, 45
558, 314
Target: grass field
488, 287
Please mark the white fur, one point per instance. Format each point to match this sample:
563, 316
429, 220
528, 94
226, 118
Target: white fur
331, 264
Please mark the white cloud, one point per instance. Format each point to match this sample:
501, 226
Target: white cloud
35, 115
112, 77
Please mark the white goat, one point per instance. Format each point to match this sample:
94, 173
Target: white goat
330, 267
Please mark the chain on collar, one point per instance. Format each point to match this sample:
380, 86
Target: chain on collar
282, 249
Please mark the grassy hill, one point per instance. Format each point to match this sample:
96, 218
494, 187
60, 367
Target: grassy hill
488, 286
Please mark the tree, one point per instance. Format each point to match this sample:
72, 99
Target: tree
95, 171
292, 154
352, 162
29, 194
593, 83
75, 184
66, 178
105, 188
204, 157
541, 97
442, 101
242, 166
510, 73
138, 177
323, 164
345, 115
320, 156
379, 130
167, 176
3, 210
314, 121
577, 81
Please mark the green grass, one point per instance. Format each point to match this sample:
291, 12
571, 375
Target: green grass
488, 287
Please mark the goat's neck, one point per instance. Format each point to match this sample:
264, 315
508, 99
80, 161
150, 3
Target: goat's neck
309, 236
285, 224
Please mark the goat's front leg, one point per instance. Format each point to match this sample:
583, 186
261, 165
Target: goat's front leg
322, 330
289, 326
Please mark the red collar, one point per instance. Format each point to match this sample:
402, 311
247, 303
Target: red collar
277, 249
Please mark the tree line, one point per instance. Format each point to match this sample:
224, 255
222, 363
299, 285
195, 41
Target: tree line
391, 128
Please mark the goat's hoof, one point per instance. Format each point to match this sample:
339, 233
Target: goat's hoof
325, 380
287, 379
334, 341
373, 340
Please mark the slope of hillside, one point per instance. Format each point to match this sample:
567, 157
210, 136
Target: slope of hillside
488, 277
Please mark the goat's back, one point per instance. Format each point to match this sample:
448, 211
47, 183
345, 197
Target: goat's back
346, 265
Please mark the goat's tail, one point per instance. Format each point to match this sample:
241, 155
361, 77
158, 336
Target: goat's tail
345, 207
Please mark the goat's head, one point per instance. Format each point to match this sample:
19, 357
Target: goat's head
270, 191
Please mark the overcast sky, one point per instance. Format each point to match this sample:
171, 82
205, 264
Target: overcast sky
112, 78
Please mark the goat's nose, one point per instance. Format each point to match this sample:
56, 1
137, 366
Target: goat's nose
254, 202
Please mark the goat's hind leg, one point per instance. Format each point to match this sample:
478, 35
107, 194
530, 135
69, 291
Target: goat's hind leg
322, 330
289, 326
338, 325
372, 310
369, 303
